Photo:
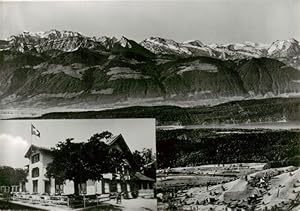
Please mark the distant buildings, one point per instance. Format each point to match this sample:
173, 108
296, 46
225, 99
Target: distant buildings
11, 189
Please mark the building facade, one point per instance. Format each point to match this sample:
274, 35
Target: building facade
38, 183
39, 158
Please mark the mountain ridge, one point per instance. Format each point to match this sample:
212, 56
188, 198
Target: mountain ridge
279, 48
68, 68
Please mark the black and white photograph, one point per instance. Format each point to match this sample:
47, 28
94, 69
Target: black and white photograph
78, 164
219, 79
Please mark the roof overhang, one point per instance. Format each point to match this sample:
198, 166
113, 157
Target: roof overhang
33, 148
142, 177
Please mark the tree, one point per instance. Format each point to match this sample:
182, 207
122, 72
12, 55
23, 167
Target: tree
67, 163
81, 161
117, 158
11, 176
98, 156
146, 162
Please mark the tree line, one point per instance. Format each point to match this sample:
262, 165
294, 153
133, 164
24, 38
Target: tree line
207, 146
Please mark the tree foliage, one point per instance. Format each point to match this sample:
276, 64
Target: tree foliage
84, 160
206, 146
146, 162
11, 176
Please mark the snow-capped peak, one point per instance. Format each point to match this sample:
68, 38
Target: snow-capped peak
197, 43
107, 42
162, 41
51, 34
164, 46
283, 48
104, 39
124, 42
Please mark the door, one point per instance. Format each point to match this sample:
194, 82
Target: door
47, 187
34, 186
113, 186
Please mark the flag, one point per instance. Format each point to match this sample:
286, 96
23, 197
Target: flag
35, 131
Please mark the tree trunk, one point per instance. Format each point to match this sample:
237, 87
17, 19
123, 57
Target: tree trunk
76, 188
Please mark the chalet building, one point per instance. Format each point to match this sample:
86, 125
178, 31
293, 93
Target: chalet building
40, 157
37, 182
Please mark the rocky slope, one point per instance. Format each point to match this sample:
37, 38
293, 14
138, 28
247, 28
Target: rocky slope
279, 192
67, 68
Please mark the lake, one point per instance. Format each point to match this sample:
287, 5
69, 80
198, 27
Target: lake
263, 125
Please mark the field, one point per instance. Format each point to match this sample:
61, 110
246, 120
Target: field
182, 177
226, 168
206, 175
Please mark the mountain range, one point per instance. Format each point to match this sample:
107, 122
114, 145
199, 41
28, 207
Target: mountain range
66, 68
70, 41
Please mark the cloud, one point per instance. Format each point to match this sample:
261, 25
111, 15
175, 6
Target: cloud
13, 149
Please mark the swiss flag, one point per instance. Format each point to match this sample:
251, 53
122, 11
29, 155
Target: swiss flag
35, 131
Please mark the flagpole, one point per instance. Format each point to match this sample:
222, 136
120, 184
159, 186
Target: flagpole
31, 136
30, 184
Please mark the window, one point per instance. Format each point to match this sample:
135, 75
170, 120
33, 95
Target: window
145, 185
35, 158
150, 185
106, 187
35, 172
82, 188
141, 185
126, 170
59, 188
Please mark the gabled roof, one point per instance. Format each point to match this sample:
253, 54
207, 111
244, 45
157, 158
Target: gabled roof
112, 139
119, 139
142, 177
33, 148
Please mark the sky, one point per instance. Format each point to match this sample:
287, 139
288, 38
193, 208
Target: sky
15, 135
210, 21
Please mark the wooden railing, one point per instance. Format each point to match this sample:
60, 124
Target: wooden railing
41, 199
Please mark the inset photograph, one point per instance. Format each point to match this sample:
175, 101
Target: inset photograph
105, 164
228, 169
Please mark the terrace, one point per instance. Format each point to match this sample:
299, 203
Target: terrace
104, 202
